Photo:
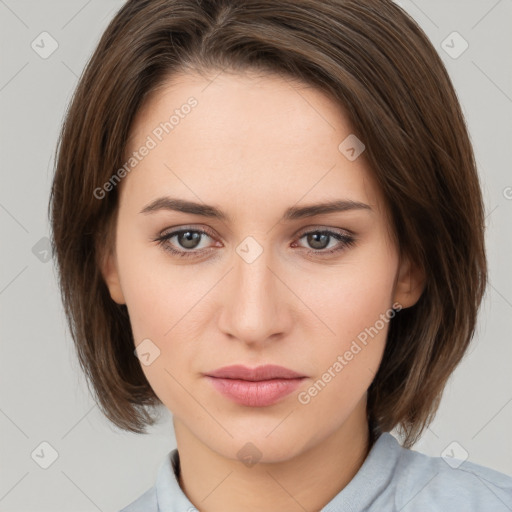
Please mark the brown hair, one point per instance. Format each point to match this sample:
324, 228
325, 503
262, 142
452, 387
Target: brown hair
376, 62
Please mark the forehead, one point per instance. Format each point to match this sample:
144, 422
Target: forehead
248, 137
244, 108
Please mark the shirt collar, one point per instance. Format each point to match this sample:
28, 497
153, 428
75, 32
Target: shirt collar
170, 497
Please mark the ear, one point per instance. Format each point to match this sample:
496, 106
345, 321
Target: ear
110, 274
409, 284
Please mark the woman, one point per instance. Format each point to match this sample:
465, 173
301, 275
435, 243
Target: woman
267, 217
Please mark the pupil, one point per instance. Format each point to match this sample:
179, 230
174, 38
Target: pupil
313, 240
190, 239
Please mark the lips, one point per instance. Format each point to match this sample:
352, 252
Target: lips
255, 387
266, 372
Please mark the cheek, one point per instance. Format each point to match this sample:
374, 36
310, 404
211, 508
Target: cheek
149, 286
356, 297
160, 301
356, 306
347, 362
158, 331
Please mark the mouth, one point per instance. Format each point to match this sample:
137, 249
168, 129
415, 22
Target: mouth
257, 387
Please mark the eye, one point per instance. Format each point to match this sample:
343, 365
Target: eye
319, 240
190, 239
187, 238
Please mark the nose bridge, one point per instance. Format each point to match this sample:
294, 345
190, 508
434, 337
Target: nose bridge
253, 309
252, 273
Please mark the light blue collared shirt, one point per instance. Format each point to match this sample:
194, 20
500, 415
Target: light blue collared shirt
392, 478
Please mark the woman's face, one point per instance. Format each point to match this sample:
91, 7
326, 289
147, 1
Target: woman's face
269, 281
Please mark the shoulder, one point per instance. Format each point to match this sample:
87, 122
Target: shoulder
424, 482
147, 502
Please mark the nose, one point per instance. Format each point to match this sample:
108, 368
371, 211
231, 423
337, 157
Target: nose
256, 304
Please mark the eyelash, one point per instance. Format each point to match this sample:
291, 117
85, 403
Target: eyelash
346, 241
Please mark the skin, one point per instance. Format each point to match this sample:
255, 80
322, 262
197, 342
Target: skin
254, 146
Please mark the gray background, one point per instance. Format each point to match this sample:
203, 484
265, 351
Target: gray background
44, 397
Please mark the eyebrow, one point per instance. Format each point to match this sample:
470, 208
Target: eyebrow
292, 213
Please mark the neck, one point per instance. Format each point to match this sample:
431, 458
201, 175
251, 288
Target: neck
214, 483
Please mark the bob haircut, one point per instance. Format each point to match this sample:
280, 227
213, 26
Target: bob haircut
370, 57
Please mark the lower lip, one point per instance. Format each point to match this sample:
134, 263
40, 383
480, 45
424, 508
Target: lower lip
255, 393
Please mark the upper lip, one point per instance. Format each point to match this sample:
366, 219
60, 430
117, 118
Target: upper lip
265, 372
